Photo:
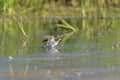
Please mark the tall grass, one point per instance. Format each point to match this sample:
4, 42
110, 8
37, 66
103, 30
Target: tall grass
8, 6
41, 7
65, 24
20, 25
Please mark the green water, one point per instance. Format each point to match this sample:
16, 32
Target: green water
92, 53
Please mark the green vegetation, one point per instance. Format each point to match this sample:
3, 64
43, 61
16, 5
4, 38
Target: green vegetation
15, 12
47, 8
66, 25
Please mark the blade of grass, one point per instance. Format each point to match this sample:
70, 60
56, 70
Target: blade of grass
20, 26
65, 24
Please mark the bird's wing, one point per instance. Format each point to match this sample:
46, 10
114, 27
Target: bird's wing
47, 37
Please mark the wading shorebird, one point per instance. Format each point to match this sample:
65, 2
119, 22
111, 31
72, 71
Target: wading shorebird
51, 41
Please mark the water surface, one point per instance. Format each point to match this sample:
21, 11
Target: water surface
84, 55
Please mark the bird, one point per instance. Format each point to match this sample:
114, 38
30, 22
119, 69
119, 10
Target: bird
51, 41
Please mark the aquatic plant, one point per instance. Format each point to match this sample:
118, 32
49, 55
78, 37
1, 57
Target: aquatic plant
20, 26
65, 24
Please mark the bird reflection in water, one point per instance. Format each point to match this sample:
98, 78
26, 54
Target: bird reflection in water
52, 50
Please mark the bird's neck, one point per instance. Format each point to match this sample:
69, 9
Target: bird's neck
52, 39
